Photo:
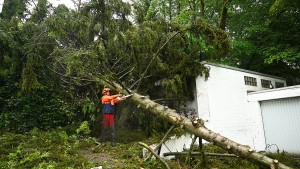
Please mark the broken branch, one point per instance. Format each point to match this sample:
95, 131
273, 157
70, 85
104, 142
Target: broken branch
155, 154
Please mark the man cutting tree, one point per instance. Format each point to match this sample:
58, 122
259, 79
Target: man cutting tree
108, 110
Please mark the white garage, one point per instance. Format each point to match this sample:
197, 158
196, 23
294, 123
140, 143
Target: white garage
280, 110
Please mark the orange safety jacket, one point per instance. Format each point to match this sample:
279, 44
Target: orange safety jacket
108, 104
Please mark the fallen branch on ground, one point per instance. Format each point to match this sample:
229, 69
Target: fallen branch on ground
155, 154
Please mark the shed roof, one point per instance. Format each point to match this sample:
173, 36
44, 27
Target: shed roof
242, 70
278, 93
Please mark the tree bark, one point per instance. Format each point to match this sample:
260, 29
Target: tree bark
199, 153
199, 130
202, 8
223, 17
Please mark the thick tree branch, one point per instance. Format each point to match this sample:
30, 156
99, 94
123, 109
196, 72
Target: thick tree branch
162, 140
199, 153
155, 154
202, 8
223, 17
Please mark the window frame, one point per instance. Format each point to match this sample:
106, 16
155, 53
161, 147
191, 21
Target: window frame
276, 84
266, 83
250, 81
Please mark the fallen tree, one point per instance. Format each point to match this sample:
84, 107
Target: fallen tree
198, 129
135, 60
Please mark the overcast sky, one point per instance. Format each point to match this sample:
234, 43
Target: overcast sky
1, 3
68, 3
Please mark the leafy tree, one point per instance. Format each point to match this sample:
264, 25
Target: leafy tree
13, 8
40, 11
27, 86
86, 43
69, 49
265, 37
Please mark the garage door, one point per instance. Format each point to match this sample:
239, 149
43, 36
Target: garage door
281, 119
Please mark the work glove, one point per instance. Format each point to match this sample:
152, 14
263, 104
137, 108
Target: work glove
121, 97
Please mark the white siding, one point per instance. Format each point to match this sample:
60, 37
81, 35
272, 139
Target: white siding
177, 144
292, 91
202, 98
282, 124
222, 101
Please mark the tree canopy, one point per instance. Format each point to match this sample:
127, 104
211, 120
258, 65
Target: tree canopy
52, 58
266, 37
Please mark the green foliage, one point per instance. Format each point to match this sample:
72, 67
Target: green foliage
225, 162
285, 157
61, 51
50, 65
40, 12
237, 162
41, 150
41, 109
290, 54
241, 55
57, 149
12, 8
173, 63
265, 37
83, 129
30, 81
9, 46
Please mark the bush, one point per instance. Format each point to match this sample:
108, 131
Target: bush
83, 129
21, 112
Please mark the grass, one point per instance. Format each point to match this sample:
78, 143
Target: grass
57, 149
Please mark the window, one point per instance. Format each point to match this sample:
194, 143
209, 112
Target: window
279, 84
251, 81
266, 83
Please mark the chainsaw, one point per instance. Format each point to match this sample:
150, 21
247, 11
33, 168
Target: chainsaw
128, 95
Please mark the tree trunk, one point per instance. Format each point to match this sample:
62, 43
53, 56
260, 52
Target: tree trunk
202, 8
199, 130
223, 17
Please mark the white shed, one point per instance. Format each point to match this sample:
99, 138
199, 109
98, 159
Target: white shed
230, 102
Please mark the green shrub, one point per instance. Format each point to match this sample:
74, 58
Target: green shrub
41, 109
83, 129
